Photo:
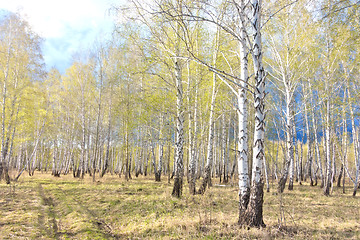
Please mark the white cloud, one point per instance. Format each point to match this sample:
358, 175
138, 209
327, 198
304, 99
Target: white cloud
49, 17
70, 23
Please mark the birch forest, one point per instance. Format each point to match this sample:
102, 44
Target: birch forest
212, 119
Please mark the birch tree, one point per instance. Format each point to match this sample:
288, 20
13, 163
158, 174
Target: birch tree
20, 62
254, 212
243, 171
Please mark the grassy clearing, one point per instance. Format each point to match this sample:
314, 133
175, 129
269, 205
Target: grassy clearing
44, 207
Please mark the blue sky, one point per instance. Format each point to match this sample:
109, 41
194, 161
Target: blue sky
67, 26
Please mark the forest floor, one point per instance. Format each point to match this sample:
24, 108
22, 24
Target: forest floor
45, 207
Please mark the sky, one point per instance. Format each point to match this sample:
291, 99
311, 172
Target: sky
67, 26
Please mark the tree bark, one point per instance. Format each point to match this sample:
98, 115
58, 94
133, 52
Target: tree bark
328, 179
191, 150
254, 213
289, 164
209, 159
242, 113
179, 146
355, 143
310, 148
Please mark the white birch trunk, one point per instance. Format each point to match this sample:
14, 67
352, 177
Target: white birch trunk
227, 163
310, 150
343, 152
191, 149
223, 149
357, 173
242, 140
289, 164
158, 169
179, 146
294, 160
355, 143
328, 179
254, 212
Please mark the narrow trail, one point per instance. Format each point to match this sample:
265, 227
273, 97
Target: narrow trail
47, 212
99, 223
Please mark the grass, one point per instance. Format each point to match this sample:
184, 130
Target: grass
45, 207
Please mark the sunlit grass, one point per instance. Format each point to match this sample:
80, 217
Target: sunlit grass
44, 207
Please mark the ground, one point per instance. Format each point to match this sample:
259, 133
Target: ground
46, 207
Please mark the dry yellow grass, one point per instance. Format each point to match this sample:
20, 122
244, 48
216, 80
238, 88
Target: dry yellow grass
44, 207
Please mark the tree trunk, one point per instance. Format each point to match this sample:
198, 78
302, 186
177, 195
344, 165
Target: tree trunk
168, 160
355, 143
191, 150
223, 149
242, 140
357, 172
254, 213
294, 159
108, 138
289, 164
328, 179
4, 172
301, 172
209, 159
159, 168
317, 149
340, 176
127, 164
210, 148
179, 146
